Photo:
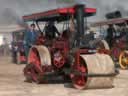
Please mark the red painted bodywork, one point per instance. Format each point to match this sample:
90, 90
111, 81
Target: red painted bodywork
59, 11
59, 48
62, 46
63, 43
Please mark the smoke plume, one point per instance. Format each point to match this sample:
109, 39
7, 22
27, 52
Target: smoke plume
11, 11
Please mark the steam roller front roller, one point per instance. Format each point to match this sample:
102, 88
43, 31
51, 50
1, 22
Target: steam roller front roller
123, 59
34, 69
102, 44
95, 71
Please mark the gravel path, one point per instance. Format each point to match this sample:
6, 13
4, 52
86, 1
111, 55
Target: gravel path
12, 84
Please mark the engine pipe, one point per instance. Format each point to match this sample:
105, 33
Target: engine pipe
79, 22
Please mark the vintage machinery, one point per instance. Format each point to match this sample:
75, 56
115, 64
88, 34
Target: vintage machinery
123, 59
66, 58
18, 51
119, 47
115, 14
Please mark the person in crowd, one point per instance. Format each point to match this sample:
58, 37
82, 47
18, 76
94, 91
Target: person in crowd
110, 34
51, 31
30, 37
40, 39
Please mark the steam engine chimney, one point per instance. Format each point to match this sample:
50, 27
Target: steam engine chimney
79, 22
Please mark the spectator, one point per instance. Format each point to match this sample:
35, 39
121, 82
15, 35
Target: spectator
51, 31
30, 38
110, 34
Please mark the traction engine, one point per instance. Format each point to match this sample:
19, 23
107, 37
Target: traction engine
66, 59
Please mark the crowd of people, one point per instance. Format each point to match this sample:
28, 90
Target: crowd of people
50, 32
33, 36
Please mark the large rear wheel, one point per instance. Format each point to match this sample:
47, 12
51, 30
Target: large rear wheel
123, 59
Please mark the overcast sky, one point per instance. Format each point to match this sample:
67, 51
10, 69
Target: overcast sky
11, 11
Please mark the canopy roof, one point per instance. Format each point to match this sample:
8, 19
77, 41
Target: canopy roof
59, 14
111, 21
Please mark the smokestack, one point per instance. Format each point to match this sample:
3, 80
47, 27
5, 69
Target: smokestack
79, 22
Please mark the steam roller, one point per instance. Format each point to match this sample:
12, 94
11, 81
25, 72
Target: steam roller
69, 60
93, 70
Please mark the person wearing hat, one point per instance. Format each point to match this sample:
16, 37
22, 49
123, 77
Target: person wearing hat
51, 31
